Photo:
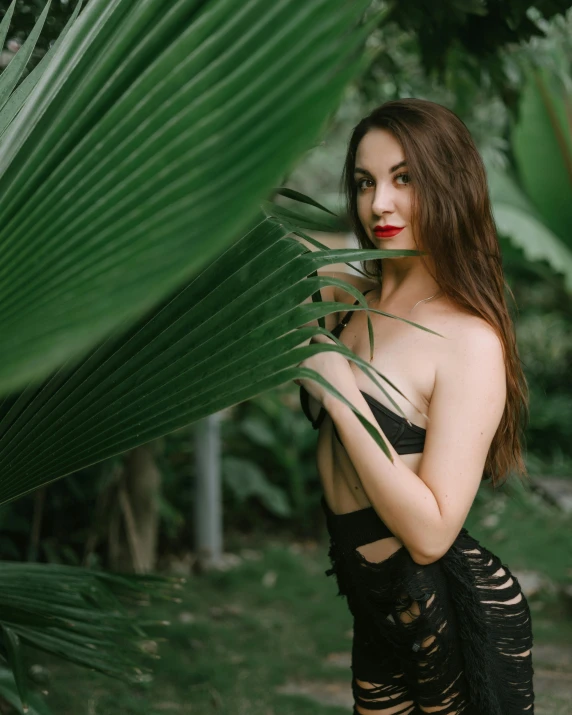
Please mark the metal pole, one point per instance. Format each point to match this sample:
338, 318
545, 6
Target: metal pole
208, 494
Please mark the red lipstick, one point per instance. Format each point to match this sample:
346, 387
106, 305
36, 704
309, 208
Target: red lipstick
387, 231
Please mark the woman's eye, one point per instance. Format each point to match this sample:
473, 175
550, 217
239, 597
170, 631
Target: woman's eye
406, 176
360, 185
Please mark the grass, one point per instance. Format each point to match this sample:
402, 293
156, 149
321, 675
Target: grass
236, 636
275, 617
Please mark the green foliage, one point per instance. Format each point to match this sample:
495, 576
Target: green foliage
99, 210
533, 197
542, 148
192, 356
151, 380
90, 191
517, 218
27, 14
269, 468
9, 693
458, 39
246, 480
543, 321
76, 614
15, 69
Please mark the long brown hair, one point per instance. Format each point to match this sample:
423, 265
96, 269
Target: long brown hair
452, 213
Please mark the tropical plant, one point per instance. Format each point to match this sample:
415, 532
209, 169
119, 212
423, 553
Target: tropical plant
117, 152
543, 328
139, 283
462, 43
268, 465
26, 14
533, 196
152, 377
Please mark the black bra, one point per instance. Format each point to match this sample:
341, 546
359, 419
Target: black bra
405, 438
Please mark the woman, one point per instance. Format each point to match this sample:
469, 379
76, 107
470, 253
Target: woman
440, 625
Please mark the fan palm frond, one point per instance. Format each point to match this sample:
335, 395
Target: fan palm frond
81, 616
142, 151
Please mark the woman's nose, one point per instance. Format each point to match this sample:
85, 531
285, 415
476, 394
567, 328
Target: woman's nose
383, 201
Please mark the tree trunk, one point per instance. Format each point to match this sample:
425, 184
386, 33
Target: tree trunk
138, 497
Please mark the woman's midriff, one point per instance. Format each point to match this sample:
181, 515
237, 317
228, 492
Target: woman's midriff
343, 490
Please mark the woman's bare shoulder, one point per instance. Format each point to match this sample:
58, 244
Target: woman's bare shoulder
468, 332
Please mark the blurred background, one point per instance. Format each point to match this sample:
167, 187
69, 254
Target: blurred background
232, 502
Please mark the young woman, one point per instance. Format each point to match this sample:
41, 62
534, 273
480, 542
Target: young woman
440, 624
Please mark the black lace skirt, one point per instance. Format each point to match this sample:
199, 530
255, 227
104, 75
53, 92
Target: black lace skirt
455, 635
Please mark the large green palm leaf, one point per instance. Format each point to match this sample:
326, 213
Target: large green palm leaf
142, 151
130, 157
231, 333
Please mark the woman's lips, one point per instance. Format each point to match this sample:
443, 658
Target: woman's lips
387, 232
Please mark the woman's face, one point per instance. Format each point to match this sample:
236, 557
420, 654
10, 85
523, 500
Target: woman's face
384, 194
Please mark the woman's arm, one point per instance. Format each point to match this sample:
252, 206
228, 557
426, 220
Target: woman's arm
427, 511
334, 294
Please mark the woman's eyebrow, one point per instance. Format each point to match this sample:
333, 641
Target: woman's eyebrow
359, 170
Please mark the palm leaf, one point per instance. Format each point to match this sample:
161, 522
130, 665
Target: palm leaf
223, 338
9, 691
19, 96
79, 615
299, 196
11, 75
114, 172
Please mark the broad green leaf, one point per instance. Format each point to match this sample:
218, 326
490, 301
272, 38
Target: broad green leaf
542, 148
518, 220
142, 152
188, 358
245, 479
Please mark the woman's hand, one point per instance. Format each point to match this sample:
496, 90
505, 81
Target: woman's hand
332, 366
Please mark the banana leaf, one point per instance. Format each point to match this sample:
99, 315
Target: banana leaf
521, 222
532, 202
542, 146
